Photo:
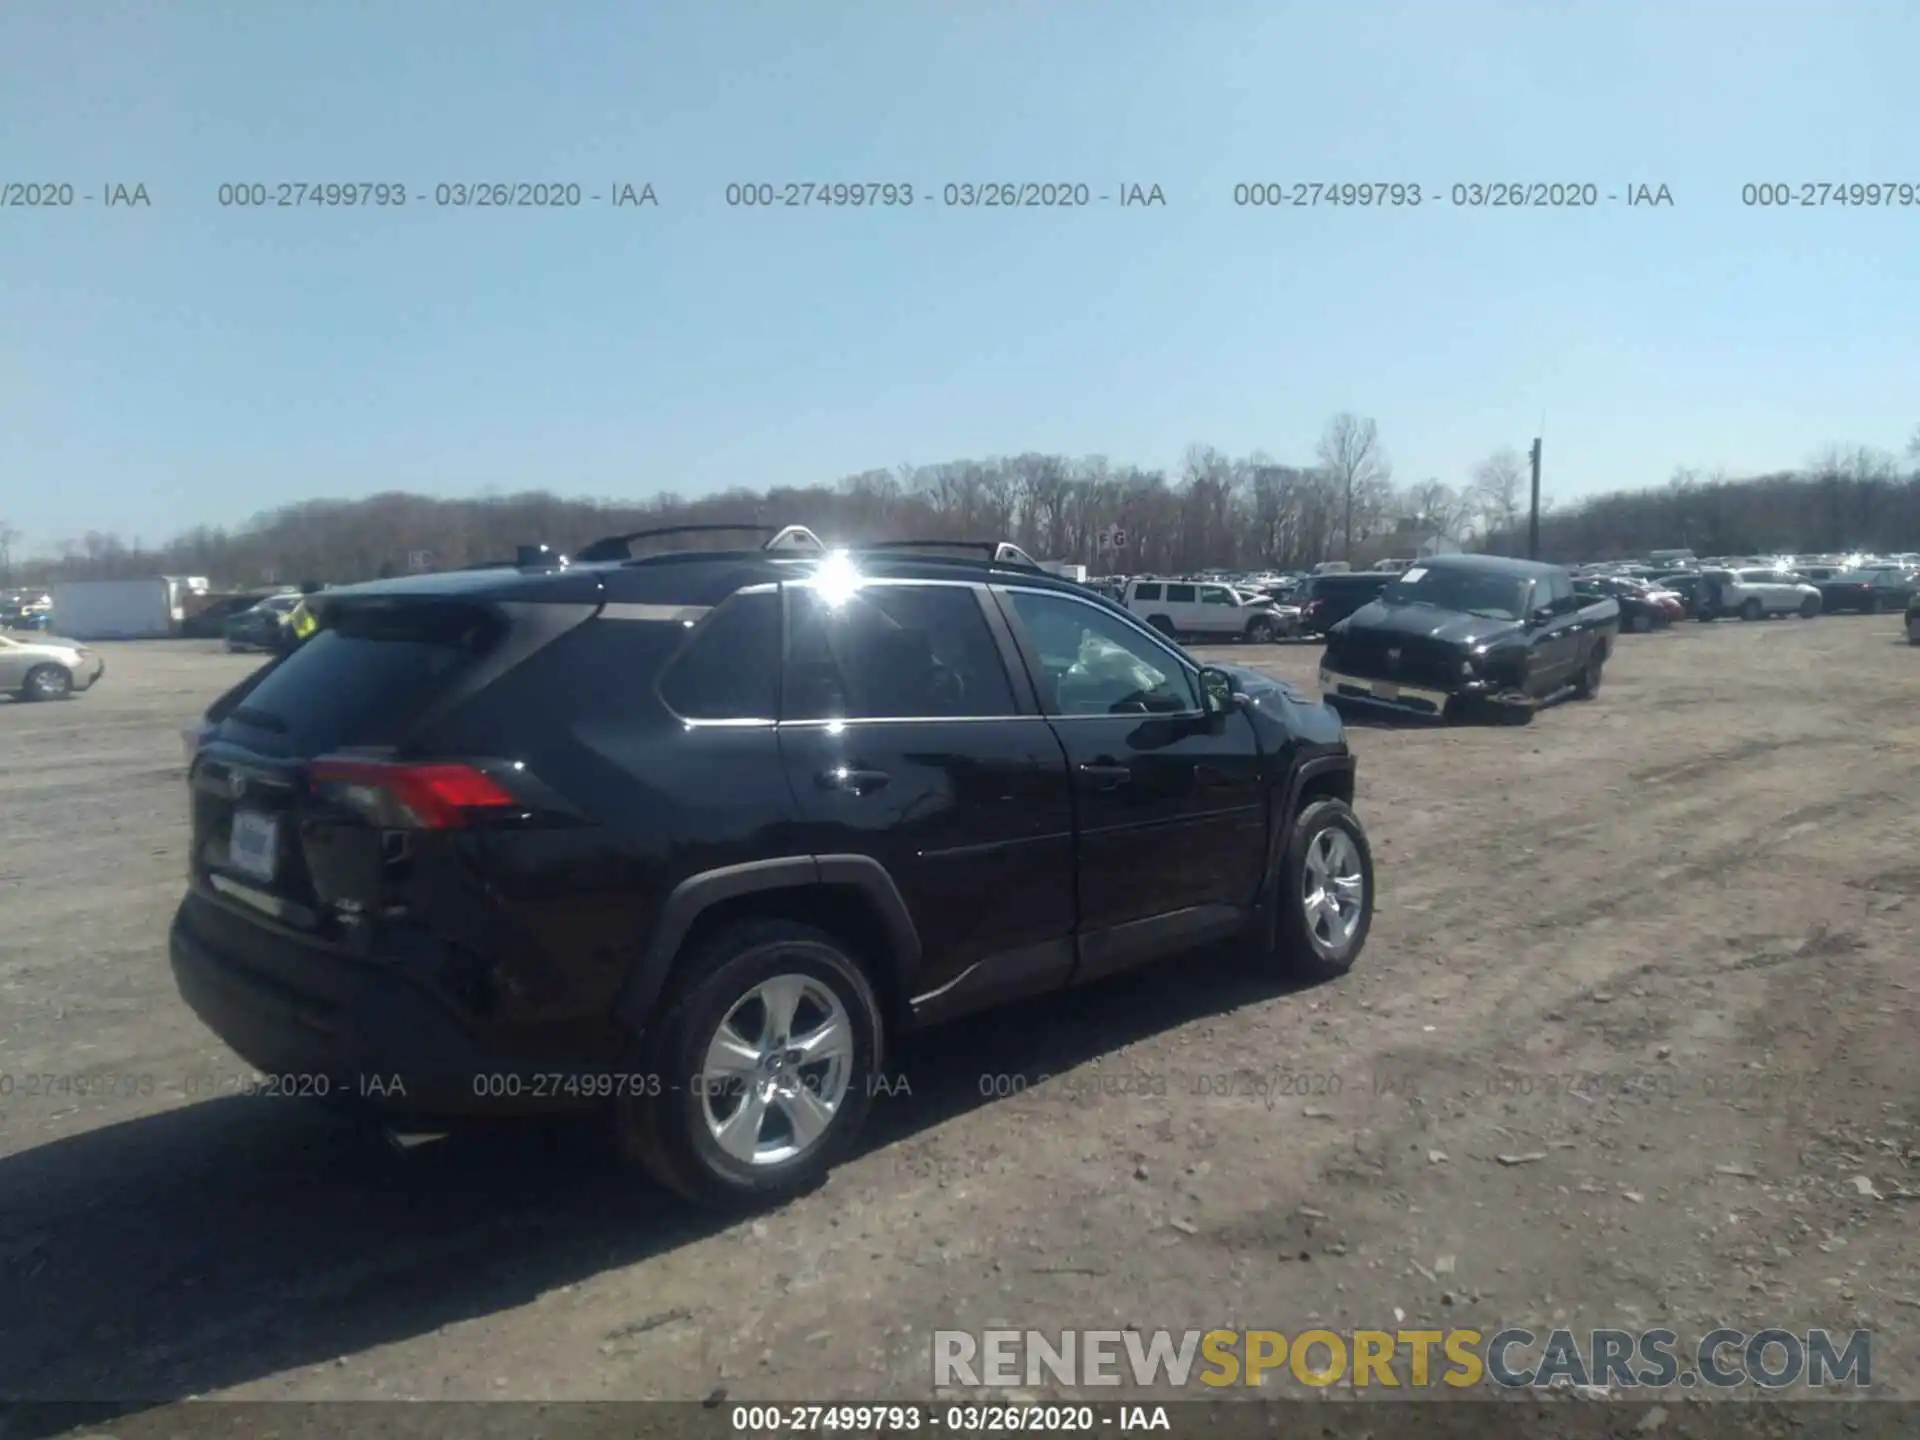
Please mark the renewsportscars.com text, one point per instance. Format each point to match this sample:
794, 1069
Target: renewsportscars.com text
1512, 1358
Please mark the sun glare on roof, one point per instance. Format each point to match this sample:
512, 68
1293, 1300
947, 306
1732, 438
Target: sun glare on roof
837, 579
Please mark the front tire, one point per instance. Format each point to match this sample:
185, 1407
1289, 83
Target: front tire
1810, 607
47, 682
766, 1054
1753, 610
1323, 892
1870, 606
1163, 625
1588, 685
1642, 622
1261, 630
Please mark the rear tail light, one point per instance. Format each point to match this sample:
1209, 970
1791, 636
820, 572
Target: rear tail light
413, 797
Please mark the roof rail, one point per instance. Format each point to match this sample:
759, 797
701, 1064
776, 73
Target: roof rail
619, 547
796, 537
996, 552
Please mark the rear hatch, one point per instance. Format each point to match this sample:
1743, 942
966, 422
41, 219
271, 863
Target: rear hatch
306, 803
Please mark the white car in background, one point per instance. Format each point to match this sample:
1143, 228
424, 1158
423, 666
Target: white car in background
46, 667
1755, 593
1202, 610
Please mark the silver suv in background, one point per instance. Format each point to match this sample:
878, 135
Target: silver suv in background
1203, 610
1757, 593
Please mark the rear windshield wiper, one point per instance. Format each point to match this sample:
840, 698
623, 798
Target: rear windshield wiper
258, 719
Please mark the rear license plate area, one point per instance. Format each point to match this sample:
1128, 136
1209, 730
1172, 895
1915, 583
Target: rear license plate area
253, 845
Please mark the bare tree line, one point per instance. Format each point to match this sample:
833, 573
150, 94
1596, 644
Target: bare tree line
1217, 510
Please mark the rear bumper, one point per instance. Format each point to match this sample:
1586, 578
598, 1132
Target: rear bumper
359, 1034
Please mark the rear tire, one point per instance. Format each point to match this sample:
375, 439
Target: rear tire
47, 682
672, 1135
1323, 893
1753, 610
1163, 625
1642, 623
1871, 605
1810, 607
1261, 630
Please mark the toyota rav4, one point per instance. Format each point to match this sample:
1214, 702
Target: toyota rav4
687, 838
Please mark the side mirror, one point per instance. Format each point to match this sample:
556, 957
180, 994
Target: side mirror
1219, 692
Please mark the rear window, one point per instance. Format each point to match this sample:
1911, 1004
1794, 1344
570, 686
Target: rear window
362, 680
730, 669
1349, 584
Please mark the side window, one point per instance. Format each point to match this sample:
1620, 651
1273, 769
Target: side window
893, 652
1560, 592
1093, 663
1180, 594
730, 668
1147, 592
1215, 595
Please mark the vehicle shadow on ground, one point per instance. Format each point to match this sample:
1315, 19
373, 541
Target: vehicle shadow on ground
217, 1243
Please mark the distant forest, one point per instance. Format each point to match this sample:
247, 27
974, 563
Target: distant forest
1218, 510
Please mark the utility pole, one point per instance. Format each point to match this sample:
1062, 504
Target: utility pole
1348, 555
1533, 517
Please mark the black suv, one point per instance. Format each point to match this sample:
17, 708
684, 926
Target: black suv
686, 837
1326, 600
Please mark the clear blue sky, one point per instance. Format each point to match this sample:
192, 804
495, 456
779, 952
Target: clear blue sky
183, 363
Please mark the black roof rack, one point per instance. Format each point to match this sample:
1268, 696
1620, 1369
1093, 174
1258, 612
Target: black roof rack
619, 547
995, 552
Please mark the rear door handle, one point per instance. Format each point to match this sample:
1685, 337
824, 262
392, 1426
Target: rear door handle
1106, 776
857, 782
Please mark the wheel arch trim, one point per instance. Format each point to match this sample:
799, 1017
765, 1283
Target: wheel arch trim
699, 893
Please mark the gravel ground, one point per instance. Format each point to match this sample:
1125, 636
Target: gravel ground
1633, 1042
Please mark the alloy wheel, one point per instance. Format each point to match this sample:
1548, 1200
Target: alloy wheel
776, 1070
1332, 889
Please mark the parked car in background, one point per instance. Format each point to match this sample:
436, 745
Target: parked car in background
1326, 600
26, 612
366, 813
1684, 584
1200, 610
46, 667
1913, 619
209, 621
259, 627
1870, 590
1756, 593
1460, 631
1639, 611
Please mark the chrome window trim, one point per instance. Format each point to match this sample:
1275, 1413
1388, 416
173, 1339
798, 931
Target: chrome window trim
907, 720
680, 614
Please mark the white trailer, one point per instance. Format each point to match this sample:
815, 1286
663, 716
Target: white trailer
117, 609
1066, 570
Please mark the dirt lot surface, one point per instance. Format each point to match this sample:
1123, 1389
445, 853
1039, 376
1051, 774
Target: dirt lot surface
1633, 1042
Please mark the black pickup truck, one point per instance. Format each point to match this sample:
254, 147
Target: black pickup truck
1460, 631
